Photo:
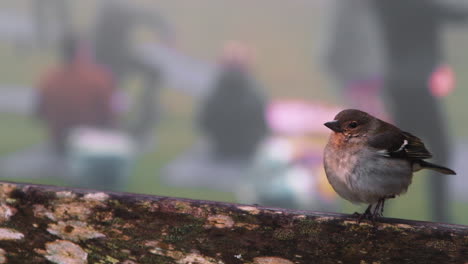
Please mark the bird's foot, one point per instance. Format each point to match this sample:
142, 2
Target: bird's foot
356, 214
366, 215
372, 215
379, 208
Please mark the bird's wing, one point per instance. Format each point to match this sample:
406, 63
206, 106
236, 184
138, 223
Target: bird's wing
415, 148
395, 143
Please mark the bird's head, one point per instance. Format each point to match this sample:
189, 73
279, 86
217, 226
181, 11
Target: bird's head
351, 122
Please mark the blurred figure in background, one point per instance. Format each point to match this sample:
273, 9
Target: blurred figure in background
353, 54
232, 116
411, 32
114, 48
231, 119
75, 93
52, 19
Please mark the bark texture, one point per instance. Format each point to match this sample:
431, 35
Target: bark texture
46, 224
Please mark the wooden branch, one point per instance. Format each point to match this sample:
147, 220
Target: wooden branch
43, 224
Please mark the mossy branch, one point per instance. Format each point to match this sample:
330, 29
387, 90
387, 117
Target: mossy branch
43, 224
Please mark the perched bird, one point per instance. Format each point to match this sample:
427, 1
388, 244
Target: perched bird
368, 160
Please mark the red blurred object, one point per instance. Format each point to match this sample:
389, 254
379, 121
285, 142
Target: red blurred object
442, 81
75, 94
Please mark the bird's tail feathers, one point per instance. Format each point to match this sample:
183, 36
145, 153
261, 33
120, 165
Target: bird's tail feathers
432, 166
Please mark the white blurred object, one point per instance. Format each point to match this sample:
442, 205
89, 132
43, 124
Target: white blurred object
100, 158
180, 71
100, 141
277, 179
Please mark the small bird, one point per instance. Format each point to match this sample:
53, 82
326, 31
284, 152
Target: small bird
368, 160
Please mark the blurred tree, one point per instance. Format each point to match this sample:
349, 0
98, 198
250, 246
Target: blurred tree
113, 46
413, 49
352, 53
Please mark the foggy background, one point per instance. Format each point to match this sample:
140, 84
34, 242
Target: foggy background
226, 100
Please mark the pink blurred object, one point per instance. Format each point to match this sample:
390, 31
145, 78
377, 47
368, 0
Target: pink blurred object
442, 81
294, 117
236, 53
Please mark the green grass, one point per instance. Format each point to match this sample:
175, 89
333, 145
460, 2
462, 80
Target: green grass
175, 135
22, 67
18, 132
145, 179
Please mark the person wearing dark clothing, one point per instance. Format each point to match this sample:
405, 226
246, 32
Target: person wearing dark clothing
76, 93
232, 116
411, 32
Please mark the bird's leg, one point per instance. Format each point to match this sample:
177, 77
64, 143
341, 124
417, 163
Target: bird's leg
382, 208
367, 214
383, 203
378, 210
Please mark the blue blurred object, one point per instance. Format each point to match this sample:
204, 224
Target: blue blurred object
100, 159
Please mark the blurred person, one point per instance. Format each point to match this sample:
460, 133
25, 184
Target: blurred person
232, 115
114, 48
411, 31
352, 54
52, 19
231, 119
75, 93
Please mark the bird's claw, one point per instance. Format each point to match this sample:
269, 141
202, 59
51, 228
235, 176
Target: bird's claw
370, 214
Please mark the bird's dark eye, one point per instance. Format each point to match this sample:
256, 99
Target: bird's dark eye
353, 124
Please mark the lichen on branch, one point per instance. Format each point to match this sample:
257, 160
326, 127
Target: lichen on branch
46, 224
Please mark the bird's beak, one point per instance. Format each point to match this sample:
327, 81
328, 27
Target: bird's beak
334, 125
